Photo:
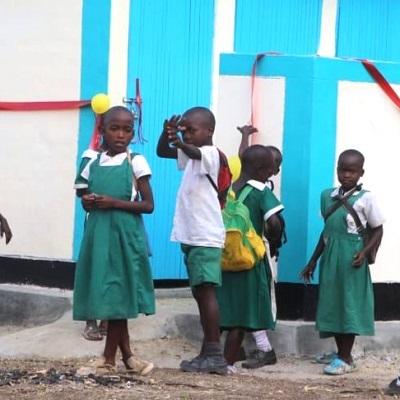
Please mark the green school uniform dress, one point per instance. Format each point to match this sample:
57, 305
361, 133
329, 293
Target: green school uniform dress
113, 278
244, 297
346, 300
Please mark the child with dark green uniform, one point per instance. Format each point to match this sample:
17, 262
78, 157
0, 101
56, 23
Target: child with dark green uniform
113, 279
92, 331
346, 300
244, 297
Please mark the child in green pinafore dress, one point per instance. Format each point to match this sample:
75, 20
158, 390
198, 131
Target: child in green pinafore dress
113, 279
244, 297
92, 331
346, 300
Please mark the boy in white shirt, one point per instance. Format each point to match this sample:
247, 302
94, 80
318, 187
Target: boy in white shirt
198, 224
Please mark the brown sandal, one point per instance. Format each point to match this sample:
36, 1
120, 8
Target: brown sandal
138, 366
92, 333
106, 369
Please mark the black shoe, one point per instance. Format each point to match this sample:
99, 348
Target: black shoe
206, 364
242, 354
259, 358
393, 388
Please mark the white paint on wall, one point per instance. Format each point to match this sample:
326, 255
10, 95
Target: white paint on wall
327, 40
118, 59
234, 108
40, 61
369, 122
224, 36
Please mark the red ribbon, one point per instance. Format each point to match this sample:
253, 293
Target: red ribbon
42, 105
381, 81
253, 77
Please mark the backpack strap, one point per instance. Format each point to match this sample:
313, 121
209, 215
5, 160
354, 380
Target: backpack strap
340, 201
353, 213
212, 182
245, 192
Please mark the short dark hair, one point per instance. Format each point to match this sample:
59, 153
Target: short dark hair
111, 111
254, 155
206, 114
352, 153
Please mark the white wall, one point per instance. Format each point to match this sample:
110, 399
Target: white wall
40, 61
370, 123
234, 109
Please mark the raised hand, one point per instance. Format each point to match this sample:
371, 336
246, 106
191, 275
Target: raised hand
171, 129
247, 129
5, 229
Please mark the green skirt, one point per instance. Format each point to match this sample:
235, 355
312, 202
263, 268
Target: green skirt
244, 299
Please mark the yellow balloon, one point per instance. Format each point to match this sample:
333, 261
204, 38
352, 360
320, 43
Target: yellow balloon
100, 103
235, 166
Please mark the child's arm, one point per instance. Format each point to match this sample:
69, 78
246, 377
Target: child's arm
374, 240
273, 230
5, 229
246, 131
170, 127
144, 206
308, 272
190, 150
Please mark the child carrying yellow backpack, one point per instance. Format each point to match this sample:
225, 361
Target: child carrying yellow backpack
244, 248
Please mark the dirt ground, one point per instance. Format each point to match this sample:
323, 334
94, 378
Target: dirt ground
290, 378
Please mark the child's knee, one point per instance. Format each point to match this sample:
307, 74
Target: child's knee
203, 290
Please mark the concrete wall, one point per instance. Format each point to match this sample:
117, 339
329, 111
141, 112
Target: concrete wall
313, 108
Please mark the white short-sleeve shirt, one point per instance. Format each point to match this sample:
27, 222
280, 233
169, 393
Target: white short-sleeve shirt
367, 209
198, 218
140, 167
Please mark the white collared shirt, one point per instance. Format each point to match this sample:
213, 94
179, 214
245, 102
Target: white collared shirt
198, 218
367, 209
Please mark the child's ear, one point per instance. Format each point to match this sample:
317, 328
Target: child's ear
362, 172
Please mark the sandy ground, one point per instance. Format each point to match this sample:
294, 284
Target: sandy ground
290, 378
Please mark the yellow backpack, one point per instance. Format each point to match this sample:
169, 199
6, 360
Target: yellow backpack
244, 248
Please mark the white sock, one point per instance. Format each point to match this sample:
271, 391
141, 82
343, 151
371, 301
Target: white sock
262, 341
232, 369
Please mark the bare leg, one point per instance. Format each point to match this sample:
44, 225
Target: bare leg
233, 342
114, 333
345, 345
124, 343
209, 312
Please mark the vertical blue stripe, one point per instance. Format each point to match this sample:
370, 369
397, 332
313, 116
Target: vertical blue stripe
369, 29
170, 50
295, 173
287, 26
94, 79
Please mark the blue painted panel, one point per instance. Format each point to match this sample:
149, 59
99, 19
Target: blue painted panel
286, 26
295, 173
94, 77
170, 50
306, 66
369, 29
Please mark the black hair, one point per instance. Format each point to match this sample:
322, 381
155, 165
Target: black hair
352, 153
111, 111
276, 153
256, 155
209, 119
